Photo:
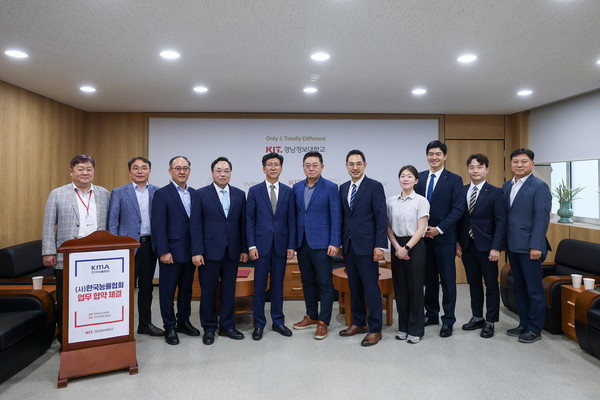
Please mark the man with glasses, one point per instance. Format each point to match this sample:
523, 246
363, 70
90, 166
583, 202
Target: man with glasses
218, 246
129, 215
270, 230
319, 227
171, 208
73, 211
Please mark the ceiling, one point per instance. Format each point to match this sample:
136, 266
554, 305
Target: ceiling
254, 55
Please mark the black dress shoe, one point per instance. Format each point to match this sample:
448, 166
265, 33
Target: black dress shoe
487, 331
446, 330
171, 336
209, 337
150, 330
257, 333
283, 330
530, 337
187, 328
231, 333
430, 321
518, 331
473, 324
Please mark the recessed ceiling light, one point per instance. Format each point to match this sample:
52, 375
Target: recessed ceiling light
419, 91
16, 54
598, 62
310, 90
87, 89
525, 92
169, 54
320, 56
467, 58
200, 89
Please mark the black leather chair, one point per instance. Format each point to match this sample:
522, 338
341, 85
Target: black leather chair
572, 257
27, 327
587, 321
20, 262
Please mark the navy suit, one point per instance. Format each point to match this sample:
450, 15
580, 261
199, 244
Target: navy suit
364, 228
272, 235
318, 226
220, 240
171, 234
528, 219
447, 206
487, 222
125, 219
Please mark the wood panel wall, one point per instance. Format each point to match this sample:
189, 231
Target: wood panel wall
38, 138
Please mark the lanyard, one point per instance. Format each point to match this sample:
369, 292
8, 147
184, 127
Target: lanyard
87, 208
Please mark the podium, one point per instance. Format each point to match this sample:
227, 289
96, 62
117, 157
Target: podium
98, 306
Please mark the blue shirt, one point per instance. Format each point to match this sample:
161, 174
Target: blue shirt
308, 192
185, 197
143, 199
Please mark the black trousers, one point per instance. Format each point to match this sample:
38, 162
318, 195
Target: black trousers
58, 274
477, 266
145, 265
408, 277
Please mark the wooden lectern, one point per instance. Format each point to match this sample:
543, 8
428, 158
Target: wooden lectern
98, 306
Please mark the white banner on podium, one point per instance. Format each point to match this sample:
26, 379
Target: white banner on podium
98, 295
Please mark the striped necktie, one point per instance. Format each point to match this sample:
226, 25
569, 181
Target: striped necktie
273, 199
225, 202
352, 195
471, 206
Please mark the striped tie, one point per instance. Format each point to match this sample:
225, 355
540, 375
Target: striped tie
352, 195
471, 206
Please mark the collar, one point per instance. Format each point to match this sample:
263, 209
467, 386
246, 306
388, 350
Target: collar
76, 188
437, 174
410, 196
136, 187
479, 187
218, 189
358, 182
179, 189
522, 180
269, 185
313, 186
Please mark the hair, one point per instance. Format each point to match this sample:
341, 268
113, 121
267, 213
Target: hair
212, 166
82, 158
173, 159
522, 150
142, 159
436, 144
313, 154
410, 169
272, 155
481, 159
356, 152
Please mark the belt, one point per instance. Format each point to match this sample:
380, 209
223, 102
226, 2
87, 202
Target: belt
145, 238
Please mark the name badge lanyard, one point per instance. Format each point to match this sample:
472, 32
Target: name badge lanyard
88, 218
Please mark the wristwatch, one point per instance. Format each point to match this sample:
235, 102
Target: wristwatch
407, 247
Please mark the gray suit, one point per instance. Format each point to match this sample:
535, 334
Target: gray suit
61, 218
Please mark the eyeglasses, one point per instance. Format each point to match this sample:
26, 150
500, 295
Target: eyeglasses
181, 169
222, 171
273, 165
312, 166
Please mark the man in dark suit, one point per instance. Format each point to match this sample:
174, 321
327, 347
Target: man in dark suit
481, 236
171, 209
129, 215
318, 226
271, 235
444, 191
529, 202
219, 245
364, 240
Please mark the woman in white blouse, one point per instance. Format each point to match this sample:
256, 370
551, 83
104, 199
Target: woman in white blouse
407, 221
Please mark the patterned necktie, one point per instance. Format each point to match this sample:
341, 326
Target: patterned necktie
225, 202
273, 199
352, 195
430, 188
471, 206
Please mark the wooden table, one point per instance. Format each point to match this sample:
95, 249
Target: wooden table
50, 289
340, 283
568, 297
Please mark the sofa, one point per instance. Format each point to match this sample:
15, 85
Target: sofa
20, 262
587, 321
572, 257
27, 328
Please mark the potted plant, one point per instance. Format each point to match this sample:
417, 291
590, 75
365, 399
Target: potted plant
565, 197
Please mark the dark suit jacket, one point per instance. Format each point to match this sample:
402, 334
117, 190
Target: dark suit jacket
124, 218
447, 203
488, 220
212, 232
528, 217
263, 229
321, 218
366, 224
171, 224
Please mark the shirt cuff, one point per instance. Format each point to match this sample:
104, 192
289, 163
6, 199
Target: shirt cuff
439, 230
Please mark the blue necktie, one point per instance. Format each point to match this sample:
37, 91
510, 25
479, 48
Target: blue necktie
225, 202
430, 188
352, 195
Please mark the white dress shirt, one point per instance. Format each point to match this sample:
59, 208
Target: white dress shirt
86, 206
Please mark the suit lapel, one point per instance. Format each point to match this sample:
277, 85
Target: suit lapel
485, 190
73, 197
345, 188
318, 186
361, 189
175, 195
522, 189
212, 193
441, 182
266, 195
130, 191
